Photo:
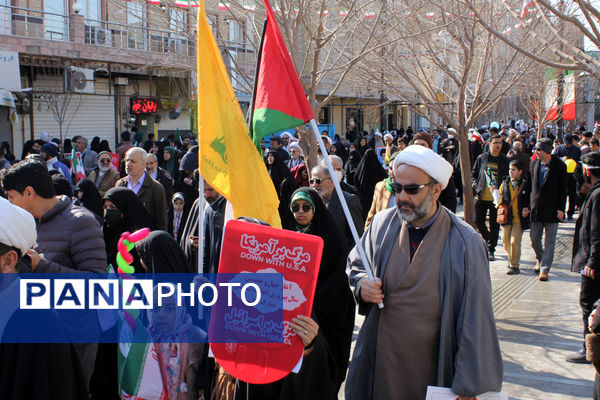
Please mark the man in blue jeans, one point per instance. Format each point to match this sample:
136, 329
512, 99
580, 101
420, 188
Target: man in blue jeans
548, 198
488, 172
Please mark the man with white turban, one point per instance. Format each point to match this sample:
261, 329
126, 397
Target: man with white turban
17, 235
432, 275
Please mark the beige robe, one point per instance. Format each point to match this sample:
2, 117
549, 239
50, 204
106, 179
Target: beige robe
409, 326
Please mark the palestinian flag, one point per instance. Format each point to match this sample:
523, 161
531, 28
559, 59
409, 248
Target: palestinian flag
77, 166
279, 100
568, 113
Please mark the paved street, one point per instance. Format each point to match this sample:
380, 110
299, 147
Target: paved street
538, 324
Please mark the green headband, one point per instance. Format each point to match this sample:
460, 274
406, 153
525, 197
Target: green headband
302, 195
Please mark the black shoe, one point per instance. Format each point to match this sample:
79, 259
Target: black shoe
513, 271
577, 357
492, 258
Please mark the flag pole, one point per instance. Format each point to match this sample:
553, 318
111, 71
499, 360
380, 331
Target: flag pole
201, 206
340, 194
250, 116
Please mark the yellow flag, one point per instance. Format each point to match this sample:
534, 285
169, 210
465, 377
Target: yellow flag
227, 157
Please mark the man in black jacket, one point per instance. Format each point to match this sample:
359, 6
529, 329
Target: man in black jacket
548, 182
488, 172
586, 247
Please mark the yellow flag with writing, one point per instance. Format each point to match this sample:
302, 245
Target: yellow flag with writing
228, 159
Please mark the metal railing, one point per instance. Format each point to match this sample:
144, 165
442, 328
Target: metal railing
18, 21
112, 34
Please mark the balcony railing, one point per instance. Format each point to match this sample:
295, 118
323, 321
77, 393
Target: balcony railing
111, 34
17, 21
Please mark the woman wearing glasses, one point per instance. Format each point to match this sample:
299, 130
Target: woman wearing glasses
327, 345
105, 177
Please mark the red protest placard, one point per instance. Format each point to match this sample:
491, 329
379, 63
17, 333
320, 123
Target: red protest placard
261, 249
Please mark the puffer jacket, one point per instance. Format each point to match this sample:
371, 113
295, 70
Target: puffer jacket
70, 240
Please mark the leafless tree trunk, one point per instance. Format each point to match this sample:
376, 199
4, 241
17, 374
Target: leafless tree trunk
454, 71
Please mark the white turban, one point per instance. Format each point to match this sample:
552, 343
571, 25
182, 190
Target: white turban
17, 228
295, 145
387, 135
428, 161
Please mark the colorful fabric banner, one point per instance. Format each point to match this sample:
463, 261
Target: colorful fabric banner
228, 160
279, 99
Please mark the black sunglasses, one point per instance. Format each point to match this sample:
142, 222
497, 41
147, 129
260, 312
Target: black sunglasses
318, 181
305, 208
105, 160
412, 188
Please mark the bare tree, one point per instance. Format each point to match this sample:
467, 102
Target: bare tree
326, 40
456, 71
562, 28
62, 112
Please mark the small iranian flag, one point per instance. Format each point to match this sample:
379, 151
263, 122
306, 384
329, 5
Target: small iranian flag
182, 3
430, 14
344, 13
569, 96
370, 14
224, 6
77, 166
324, 13
551, 95
528, 8
138, 365
155, 2
250, 7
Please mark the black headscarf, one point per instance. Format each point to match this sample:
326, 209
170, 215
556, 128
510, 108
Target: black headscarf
104, 146
278, 171
67, 146
340, 151
27, 149
134, 217
351, 166
284, 186
363, 149
95, 145
161, 254
324, 370
333, 306
368, 173
90, 197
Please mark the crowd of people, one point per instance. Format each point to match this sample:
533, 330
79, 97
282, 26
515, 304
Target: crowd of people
402, 188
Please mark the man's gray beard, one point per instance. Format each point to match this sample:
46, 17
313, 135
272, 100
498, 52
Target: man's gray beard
104, 169
419, 212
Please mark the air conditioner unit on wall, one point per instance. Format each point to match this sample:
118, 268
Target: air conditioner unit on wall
80, 80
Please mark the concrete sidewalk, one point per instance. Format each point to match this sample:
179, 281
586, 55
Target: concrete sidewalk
539, 323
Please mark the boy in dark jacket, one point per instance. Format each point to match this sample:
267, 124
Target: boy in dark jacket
516, 184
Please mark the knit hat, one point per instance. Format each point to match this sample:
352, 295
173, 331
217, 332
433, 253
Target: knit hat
51, 149
545, 145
